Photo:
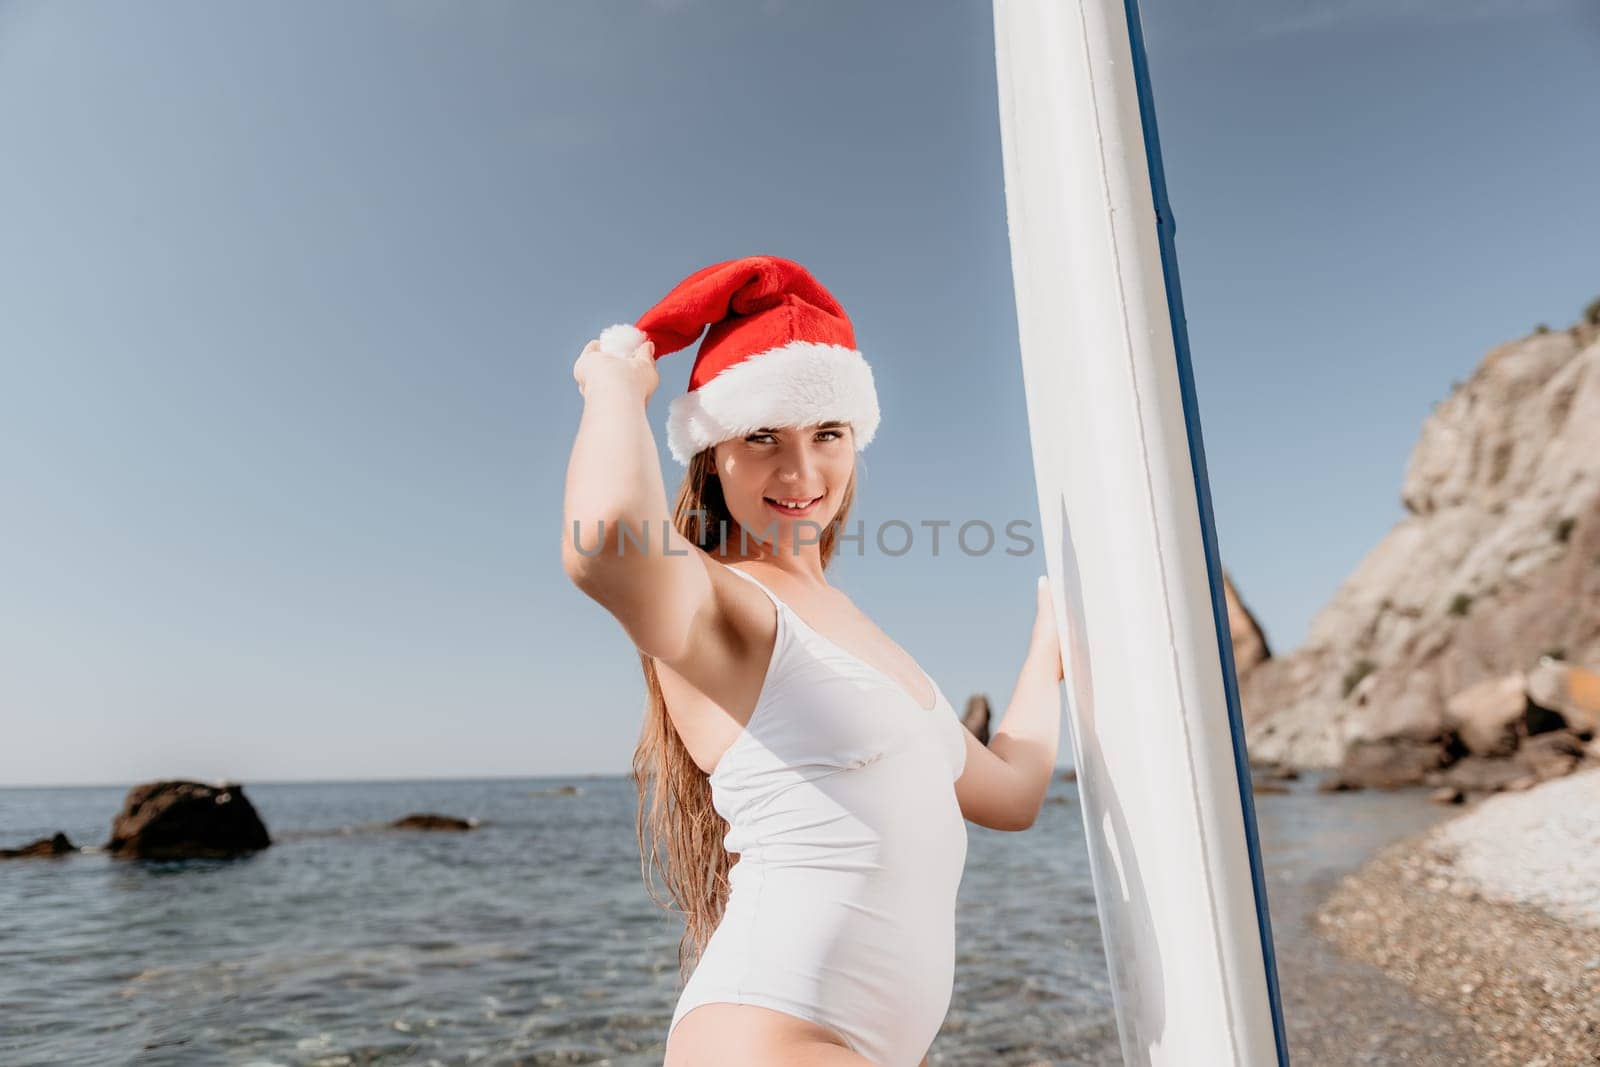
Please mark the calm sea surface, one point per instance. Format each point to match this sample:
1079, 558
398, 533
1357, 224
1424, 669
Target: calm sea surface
530, 940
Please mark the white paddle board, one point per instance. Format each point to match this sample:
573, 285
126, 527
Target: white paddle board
1156, 731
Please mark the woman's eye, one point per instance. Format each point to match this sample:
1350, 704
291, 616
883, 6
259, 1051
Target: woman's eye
764, 438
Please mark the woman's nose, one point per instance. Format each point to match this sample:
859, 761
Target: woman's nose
797, 465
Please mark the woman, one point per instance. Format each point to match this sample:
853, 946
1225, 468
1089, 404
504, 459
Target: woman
783, 726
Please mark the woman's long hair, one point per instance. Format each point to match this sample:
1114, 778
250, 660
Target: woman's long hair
679, 816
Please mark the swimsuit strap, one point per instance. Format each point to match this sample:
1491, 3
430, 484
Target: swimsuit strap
752, 578
938, 694
783, 623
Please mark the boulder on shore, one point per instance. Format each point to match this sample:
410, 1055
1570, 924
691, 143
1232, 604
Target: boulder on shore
1390, 763
177, 819
1479, 774
1273, 772
59, 845
1485, 715
1501, 734
1552, 754
1569, 691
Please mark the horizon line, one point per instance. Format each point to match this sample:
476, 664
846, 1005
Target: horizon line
342, 781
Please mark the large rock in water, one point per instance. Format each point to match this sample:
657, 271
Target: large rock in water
186, 820
427, 820
977, 716
1496, 564
59, 845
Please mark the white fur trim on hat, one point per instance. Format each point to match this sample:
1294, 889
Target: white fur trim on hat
797, 385
622, 339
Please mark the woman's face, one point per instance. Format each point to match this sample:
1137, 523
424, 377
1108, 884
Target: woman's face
763, 470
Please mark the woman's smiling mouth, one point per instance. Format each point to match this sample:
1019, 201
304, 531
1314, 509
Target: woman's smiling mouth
782, 506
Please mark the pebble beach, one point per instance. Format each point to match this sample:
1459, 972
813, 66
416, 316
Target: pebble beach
1493, 917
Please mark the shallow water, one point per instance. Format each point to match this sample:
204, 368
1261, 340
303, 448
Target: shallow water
531, 940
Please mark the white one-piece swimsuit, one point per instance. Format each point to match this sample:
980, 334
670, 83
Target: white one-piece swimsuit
841, 806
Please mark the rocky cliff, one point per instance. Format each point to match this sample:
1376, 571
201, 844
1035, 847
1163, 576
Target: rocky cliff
1495, 565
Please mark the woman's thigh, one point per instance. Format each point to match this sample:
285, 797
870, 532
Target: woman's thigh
719, 1033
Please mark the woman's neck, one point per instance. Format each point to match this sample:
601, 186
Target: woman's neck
802, 564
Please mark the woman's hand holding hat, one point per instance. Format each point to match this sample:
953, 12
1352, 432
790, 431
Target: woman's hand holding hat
634, 369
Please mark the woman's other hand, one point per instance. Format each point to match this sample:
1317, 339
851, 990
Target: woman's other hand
1045, 645
636, 372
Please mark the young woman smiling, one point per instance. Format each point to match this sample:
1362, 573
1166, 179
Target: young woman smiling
805, 778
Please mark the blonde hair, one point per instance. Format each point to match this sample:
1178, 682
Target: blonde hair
679, 818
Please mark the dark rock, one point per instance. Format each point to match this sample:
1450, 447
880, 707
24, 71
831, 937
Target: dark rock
1387, 764
1070, 774
1274, 772
58, 845
1447, 795
976, 717
1267, 786
177, 819
1566, 690
429, 821
1480, 774
1538, 720
1551, 754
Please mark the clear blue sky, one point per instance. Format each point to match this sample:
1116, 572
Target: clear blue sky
290, 295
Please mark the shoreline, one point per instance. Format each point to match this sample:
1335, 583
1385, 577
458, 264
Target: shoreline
1490, 916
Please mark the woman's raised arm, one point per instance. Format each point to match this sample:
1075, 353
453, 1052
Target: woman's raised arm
618, 543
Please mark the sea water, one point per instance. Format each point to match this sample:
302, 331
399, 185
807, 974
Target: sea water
529, 940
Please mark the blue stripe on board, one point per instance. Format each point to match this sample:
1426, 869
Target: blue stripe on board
1191, 412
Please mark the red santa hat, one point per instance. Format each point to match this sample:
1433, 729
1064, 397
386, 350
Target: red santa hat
780, 352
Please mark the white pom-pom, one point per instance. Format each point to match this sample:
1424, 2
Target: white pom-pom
622, 339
